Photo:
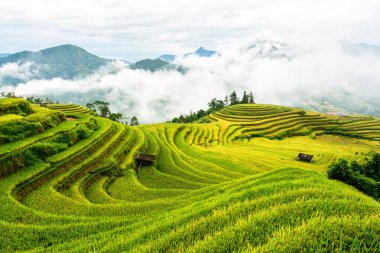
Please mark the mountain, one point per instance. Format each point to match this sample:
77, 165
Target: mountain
360, 48
150, 65
4, 55
167, 57
66, 61
270, 49
342, 103
201, 52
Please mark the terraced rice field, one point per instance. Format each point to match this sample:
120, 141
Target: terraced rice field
71, 108
230, 185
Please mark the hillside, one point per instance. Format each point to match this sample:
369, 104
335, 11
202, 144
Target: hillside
4, 54
150, 65
66, 61
229, 185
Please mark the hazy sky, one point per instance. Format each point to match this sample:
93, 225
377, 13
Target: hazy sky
132, 30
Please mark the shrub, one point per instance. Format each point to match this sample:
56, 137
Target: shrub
83, 132
372, 168
339, 170
17, 106
363, 177
18, 130
45, 149
68, 138
31, 158
11, 162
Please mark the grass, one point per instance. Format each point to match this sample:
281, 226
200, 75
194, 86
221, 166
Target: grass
232, 185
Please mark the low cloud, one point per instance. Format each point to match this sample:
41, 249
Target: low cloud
285, 71
21, 72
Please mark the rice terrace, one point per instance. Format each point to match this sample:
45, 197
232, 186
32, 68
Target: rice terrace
69, 182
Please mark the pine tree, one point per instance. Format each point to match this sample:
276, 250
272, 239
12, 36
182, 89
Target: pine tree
135, 122
244, 100
251, 98
226, 101
233, 98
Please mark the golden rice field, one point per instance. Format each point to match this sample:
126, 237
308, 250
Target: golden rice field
232, 185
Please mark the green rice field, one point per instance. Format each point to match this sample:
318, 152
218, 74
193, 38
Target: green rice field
69, 182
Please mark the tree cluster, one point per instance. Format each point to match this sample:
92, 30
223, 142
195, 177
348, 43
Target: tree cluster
4, 94
32, 99
215, 105
40, 100
364, 177
102, 108
233, 99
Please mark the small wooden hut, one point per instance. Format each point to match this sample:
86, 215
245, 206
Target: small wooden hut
43, 104
305, 157
144, 159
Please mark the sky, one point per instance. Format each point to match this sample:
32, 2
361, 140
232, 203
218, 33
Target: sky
132, 30
316, 51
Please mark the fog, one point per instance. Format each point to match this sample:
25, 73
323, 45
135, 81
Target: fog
279, 71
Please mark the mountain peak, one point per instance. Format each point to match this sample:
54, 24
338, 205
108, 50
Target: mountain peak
202, 52
64, 61
64, 48
167, 57
150, 64
202, 49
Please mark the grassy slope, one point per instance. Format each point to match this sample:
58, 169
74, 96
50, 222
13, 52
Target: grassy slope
214, 187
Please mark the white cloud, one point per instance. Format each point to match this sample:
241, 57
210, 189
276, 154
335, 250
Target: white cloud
22, 72
280, 72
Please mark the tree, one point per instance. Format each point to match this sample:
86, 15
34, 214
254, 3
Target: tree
91, 106
356, 175
37, 100
103, 108
226, 102
233, 98
215, 105
339, 170
135, 122
251, 98
244, 99
201, 113
4, 94
116, 117
30, 99
372, 168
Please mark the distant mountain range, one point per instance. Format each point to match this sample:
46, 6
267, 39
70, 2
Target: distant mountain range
66, 61
150, 65
4, 55
200, 52
167, 57
72, 62
360, 49
342, 103
165, 62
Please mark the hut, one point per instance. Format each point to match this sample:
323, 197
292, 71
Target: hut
43, 104
305, 157
144, 159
